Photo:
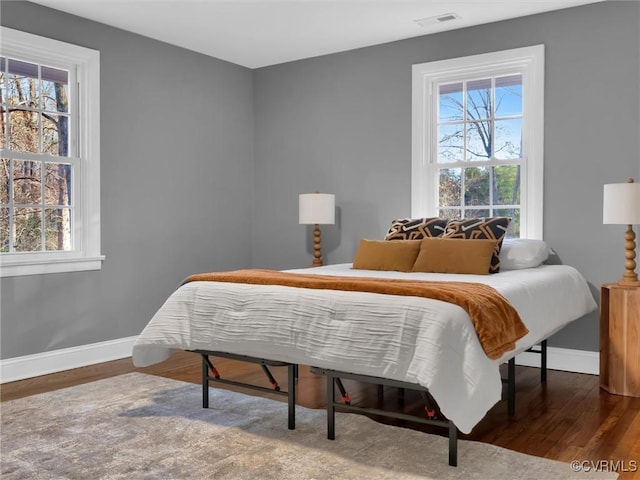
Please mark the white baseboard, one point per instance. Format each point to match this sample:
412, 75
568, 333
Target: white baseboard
579, 361
28, 366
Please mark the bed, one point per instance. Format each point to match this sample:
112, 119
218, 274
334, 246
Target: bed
437, 306
409, 340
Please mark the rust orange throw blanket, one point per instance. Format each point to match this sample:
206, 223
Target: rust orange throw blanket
497, 323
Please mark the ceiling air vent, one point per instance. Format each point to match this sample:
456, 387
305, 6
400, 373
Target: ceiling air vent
445, 17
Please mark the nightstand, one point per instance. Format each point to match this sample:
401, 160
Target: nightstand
620, 339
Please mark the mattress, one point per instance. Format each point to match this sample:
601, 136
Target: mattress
416, 340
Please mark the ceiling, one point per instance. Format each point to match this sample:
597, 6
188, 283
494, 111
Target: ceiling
257, 33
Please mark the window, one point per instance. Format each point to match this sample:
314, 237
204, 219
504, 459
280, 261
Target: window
49, 156
478, 138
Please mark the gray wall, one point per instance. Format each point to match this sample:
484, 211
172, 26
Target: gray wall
342, 124
176, 186
193, 147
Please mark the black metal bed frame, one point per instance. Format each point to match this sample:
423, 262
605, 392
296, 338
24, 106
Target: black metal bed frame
511, 375
334, 378
292, 375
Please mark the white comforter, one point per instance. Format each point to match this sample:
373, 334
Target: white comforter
418, 340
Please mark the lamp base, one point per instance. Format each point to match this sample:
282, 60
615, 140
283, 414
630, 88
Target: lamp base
630, 277
317, 250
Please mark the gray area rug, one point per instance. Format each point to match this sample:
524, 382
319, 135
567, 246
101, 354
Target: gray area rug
139, 426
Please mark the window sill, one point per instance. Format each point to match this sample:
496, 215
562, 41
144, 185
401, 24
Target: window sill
18, 265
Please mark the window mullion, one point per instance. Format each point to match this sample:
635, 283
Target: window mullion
43, 222
462, 190
465, 120
491, 185
12, 209
39, 109
40, 105
465, 125
492, 153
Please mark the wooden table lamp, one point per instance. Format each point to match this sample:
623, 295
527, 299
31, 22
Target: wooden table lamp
621, 205
317, 209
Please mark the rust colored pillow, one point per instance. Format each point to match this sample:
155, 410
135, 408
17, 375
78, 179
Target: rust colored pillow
447, 255
382, 255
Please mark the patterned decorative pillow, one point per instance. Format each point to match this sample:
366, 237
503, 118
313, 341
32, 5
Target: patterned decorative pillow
416, 228
494, 228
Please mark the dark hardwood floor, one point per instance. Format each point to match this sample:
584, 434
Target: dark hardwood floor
568, 418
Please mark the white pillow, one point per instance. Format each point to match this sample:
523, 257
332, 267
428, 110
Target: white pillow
519, 253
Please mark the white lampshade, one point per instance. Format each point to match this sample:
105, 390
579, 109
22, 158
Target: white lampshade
621, 203
317, 208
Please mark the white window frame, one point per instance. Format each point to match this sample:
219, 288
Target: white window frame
85, 253
529, 61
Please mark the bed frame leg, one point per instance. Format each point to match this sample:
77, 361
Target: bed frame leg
543, 361
453, 444
331, 409
205, 382
511, 387
292, 371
